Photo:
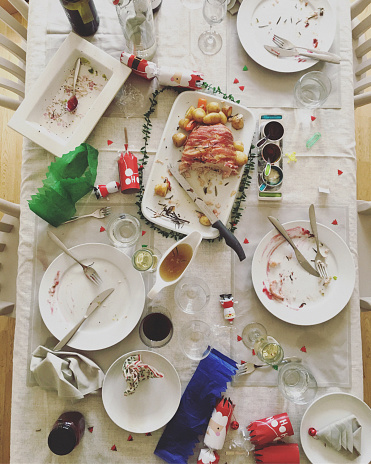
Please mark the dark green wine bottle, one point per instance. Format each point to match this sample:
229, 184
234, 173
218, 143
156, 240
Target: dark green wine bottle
82, 15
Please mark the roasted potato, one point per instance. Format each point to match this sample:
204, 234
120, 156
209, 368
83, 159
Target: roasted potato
189, 113
213, 107
183, 123
212, 118
237, 121
199, 114
238, 145
227, 109
223, 118
204, 220
179, 139
241, 158
163, 188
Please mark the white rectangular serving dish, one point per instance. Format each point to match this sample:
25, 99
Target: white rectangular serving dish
218, 193
43, 117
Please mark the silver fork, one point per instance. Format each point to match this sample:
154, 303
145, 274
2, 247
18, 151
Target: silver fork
248, 367
98, 213
287, 45
90, 272
319, 260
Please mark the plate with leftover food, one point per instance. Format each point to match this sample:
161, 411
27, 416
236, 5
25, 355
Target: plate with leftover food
309, 24
65, 294
43, 116
141, 391
208, 139
341, 425
291, 293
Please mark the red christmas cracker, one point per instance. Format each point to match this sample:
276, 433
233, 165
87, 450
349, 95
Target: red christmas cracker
219, 423
128, 172
280, 453
270, 429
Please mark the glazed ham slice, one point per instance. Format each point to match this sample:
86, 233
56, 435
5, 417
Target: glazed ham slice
210, 147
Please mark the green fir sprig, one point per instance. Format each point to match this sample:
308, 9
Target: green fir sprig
146, 131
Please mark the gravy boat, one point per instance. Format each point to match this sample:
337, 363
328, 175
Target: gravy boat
193, 240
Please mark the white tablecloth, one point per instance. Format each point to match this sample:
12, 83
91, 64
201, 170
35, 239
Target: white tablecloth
35, 410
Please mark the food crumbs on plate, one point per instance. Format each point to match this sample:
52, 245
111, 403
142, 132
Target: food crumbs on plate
109, 142
313, 118
91, 429
233, 193
239, 338
340, 172
334, 222
113, 448
236, 81
303, 349
302, 305
245, 241
102, 229
130, 438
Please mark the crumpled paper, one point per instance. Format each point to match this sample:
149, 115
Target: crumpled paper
71, 374
68, 179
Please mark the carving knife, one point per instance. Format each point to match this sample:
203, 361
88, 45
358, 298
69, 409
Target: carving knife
98, 300
216, 223
282, 52
302, 261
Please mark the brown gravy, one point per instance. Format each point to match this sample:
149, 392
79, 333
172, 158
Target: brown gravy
175, 262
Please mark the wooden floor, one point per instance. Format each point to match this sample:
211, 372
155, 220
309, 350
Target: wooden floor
10, 163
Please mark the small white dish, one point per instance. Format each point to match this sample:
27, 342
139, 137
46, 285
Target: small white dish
154, 402
43, 117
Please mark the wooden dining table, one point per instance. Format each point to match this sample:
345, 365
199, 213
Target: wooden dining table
324, 175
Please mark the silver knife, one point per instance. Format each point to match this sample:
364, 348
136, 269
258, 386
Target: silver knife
282, 52
98, 300
216, 223
302, 261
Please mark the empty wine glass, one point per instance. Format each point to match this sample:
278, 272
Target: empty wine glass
192, 294
214, 11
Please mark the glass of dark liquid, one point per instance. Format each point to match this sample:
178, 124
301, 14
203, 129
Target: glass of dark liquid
156, 328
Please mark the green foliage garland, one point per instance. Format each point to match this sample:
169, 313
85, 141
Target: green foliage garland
146, 130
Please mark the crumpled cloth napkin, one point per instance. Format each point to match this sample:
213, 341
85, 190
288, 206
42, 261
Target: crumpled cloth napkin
72, 375
135, 370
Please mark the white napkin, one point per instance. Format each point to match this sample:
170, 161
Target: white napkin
71, 374
233, 6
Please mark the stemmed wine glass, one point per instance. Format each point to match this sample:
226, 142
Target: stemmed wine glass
214, 11
267, 349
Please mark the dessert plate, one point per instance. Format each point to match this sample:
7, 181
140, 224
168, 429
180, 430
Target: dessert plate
65, 294
329, 408
153, 403
259, 20
287, 290
217, 192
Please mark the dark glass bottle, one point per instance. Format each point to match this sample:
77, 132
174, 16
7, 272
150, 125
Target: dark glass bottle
156, 5
66, 433
82, 15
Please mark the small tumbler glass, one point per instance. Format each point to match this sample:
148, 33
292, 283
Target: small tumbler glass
123, 230
192, 295
146, 259
312, 89
196, 340
297, 383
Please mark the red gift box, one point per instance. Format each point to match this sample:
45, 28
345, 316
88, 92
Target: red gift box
270, 429
128, 172
280, 453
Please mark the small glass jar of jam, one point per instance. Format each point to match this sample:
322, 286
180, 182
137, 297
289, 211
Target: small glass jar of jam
66, 433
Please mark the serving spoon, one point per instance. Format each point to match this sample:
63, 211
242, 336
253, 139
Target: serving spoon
72, 102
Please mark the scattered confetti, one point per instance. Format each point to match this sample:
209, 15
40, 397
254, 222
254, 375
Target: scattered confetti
291, 157
242, 87
303, 349
234, 425
91, 429
148, 434
323, 190
335, 278
275, 368
109, 142
245, 241
313, 140
334, 222
130, 438
253, 352
243, 362
239, 338
236, 81
245, 68
340, 172
143, 232
313, 118
113, 448
102, 229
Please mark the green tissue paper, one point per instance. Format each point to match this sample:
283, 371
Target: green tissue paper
68, 179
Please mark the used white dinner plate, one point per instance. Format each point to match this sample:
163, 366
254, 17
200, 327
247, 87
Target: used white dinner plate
291, 293
154, 402
259, 20
43, 117
329, 408
218, 193
65, 294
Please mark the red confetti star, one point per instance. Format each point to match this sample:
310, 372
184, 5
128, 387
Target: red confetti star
148, 434
243, 362
130, 438
242, 87
313, 118
340, 172
334, 222
253, 352
90, 429
109, 142
245, 241
102, 229
303, 349
143, 232
113, 448
236, 81
239, 338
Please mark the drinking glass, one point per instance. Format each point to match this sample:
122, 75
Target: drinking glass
192, 294
123, 230
312, 89
196, 340
145, 259
297, 383
156, 328
252, 333
214, 11
267, 349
